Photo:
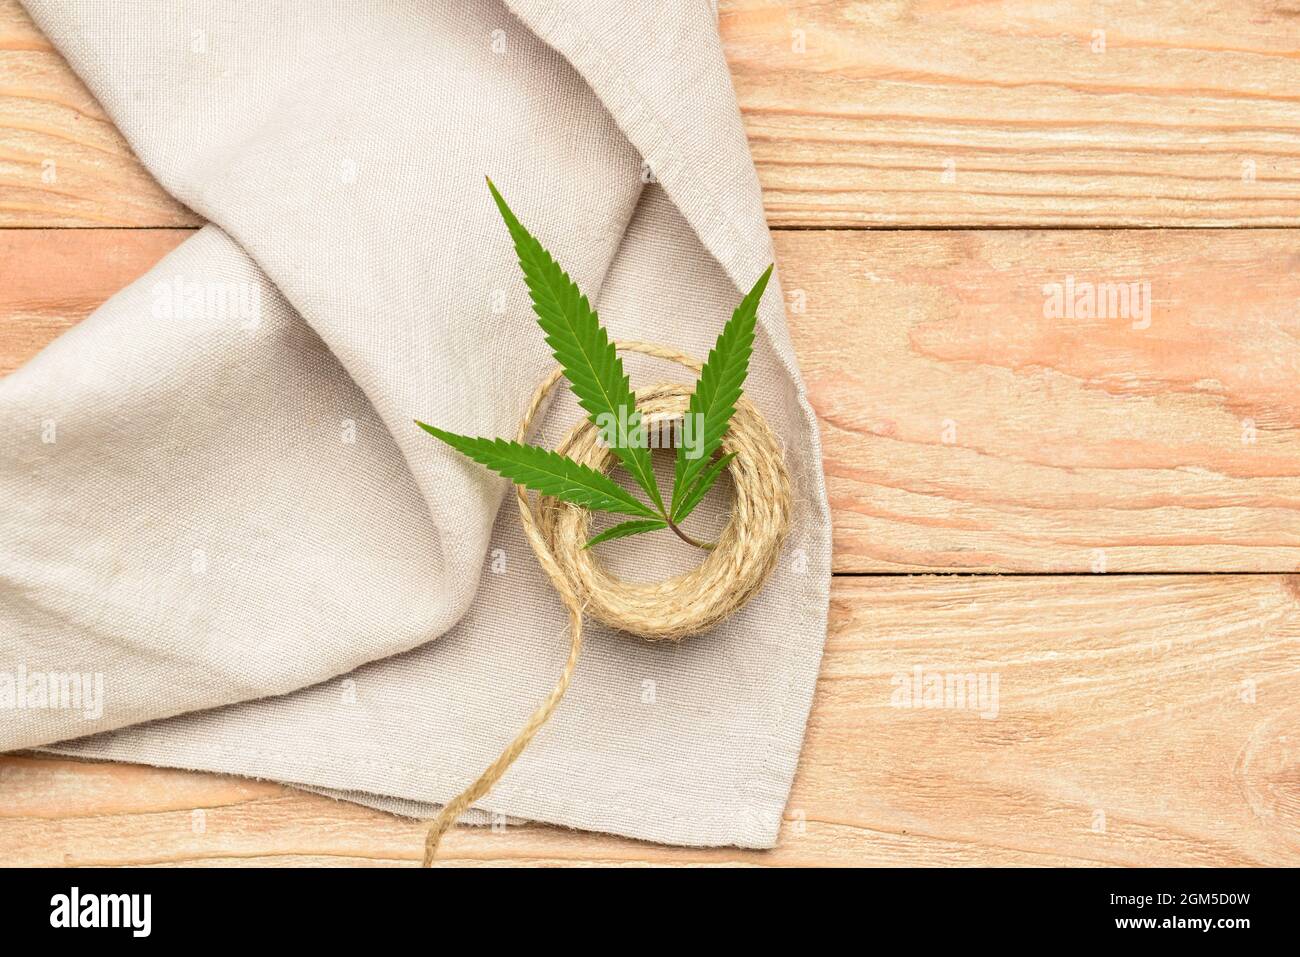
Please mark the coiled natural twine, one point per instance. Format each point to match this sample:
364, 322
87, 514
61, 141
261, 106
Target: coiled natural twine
675, 608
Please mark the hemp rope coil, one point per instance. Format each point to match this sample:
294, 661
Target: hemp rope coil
669, 610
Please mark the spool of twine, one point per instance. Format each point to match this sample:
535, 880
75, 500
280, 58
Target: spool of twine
669, 610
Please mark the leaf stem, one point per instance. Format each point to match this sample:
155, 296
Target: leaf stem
707, 546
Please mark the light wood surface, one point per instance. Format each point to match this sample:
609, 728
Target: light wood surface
965, 430
1141, 718
1188, 117
62, 162
864, 112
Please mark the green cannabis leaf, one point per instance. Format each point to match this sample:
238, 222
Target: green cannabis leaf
684, 505
595, 373
582, 347
713, 402
545, 471
634, 527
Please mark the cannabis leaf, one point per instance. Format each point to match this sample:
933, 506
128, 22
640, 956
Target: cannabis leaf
714, 402
634, 527
545, 471
686, 504
595, 373
582, 347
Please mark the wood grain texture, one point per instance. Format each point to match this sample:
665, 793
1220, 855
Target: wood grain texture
857, 109
1140, 720
62, 162
870, 113
964, 430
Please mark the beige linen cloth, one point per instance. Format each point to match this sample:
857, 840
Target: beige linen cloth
212, 492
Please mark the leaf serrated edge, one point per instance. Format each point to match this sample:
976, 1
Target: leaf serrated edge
602, 387
597, 490
719, 386
627, 529
703, 483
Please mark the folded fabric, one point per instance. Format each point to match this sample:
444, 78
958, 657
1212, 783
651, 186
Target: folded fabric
215, 499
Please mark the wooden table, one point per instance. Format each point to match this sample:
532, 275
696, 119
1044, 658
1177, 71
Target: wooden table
1105, 512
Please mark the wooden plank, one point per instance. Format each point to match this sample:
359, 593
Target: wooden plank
952, 113
62, 162
967, 427
869, 114
963, 429
1140, 720
52, 279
